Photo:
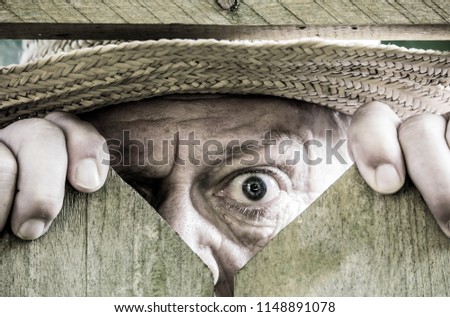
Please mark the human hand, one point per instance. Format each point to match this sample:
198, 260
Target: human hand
384, 149
36, 157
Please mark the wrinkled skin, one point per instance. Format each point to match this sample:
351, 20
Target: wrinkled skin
202, 201
229, 204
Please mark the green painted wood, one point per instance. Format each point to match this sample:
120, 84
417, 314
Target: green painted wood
110, 243
354, 242
133, 19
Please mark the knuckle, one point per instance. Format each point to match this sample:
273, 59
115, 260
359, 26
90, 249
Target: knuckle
372, 118
8, 163
58, 115
8, 173
42, 126
7, 180
372, 107
362, 112
90, 138
31, 131
40, 129
92, 141
418, 126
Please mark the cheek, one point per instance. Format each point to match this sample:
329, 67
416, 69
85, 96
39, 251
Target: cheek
253, 234
248, 236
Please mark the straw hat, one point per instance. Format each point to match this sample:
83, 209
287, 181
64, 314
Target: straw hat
78, 76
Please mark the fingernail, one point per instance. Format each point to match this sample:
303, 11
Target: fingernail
387, 179
31, 229
86, 174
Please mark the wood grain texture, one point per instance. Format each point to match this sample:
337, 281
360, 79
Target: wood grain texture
229, 32
354, 242
142, 19
249, 12
111, 243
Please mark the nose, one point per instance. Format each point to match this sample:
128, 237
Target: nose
201, 234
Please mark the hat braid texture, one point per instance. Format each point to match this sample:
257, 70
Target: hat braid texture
78, 76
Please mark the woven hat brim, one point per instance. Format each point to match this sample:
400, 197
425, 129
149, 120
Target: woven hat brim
342, 77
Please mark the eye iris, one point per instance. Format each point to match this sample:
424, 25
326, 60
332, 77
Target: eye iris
254, 188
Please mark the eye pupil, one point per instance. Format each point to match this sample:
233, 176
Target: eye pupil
254, 188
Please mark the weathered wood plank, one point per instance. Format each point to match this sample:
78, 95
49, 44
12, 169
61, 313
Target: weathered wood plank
354, 242
55, 265
158, 31
63, 12
138, 19
111, 243
249, 12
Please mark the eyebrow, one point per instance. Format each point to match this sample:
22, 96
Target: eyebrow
236, 151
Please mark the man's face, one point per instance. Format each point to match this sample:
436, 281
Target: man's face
226, 173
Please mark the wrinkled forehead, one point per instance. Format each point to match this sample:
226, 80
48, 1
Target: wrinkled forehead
211, 116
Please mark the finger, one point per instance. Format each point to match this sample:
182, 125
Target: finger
374, 146
40, 151
8, 175
87, 150
427, 158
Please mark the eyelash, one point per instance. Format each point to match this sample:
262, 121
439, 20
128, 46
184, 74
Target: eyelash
252, 213
261, 170
249, 212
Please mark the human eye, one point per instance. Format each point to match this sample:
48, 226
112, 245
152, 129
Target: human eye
253, 188
252, 193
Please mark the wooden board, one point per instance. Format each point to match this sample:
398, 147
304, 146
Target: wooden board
111, 243
354, 242
253, 19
